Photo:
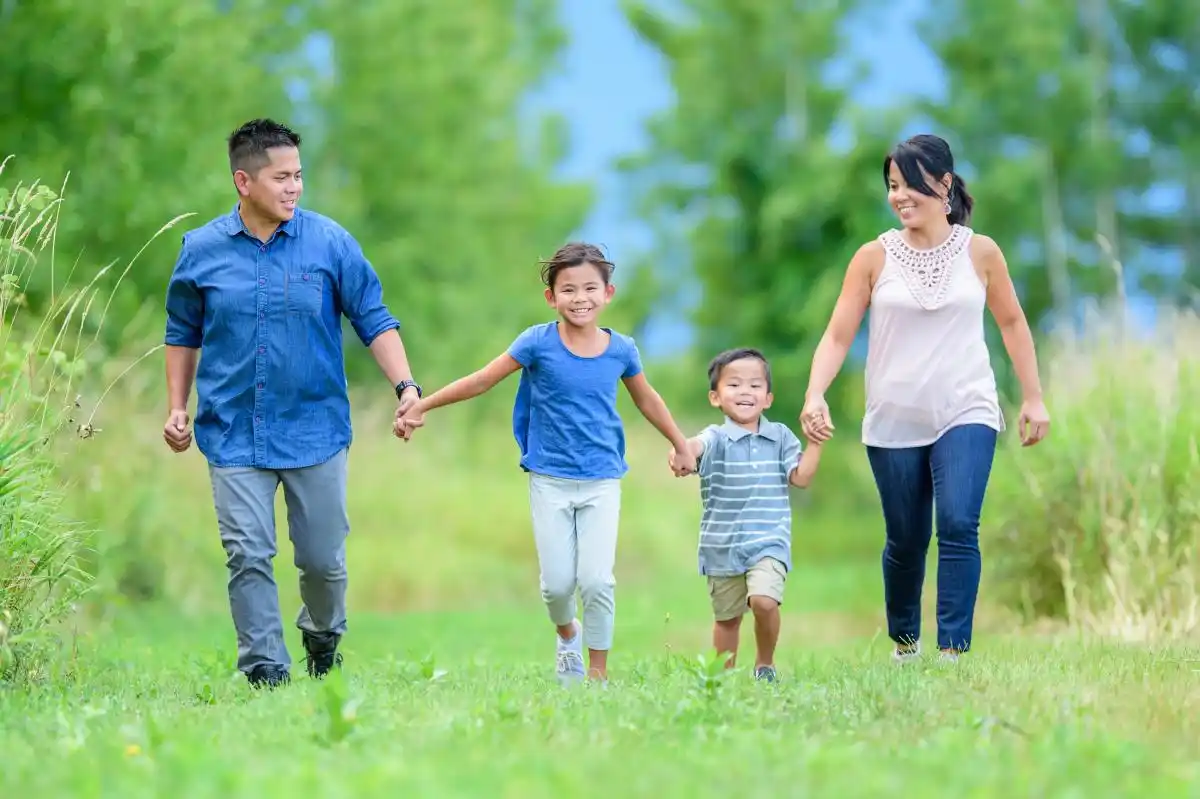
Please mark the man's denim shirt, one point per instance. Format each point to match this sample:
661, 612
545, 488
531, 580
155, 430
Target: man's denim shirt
271, 382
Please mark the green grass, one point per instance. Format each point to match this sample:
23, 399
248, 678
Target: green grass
463, 704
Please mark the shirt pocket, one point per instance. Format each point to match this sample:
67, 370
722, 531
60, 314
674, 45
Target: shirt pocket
303, 291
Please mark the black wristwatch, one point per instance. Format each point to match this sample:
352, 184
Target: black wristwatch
403, 385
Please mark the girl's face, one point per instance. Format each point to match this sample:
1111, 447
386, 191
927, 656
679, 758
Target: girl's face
912, 208
579, 294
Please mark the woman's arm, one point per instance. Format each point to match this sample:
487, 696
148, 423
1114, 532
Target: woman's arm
1002, 301
846, 318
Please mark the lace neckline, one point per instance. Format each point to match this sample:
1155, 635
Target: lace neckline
927, 272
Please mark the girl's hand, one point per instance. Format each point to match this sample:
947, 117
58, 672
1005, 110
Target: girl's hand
1034, 422
407, 420
815, 421
683, 462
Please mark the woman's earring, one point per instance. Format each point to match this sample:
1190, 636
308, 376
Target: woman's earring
946, 206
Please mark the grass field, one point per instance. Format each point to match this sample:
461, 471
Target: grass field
464, 704
448, 687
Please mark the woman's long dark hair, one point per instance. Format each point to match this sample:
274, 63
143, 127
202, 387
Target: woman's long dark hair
932, 154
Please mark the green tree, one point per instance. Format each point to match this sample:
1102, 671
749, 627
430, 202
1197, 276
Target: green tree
749, 164
1032, 106
422, 146
133, 100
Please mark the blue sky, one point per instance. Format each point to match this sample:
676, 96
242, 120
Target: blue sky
611, 82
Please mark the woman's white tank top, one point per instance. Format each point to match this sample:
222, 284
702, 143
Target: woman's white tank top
928, 368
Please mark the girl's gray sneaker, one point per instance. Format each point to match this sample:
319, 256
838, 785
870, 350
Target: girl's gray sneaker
569, 658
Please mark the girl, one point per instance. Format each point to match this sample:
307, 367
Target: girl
572, 444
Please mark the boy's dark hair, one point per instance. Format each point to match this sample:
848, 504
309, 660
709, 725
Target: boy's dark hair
576, 253
248, 144
718, 364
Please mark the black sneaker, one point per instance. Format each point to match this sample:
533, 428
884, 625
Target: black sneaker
268, 676
765, 673
322, 654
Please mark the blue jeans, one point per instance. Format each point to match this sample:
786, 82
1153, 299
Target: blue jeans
951, 474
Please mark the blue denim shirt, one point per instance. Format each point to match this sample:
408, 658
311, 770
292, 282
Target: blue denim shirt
271, 382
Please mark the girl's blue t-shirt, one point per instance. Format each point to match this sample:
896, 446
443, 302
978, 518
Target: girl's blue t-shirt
565, 416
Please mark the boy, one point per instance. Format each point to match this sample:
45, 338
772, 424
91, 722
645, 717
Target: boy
746, 466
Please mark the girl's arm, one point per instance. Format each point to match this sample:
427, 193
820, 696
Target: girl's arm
462, 389
652, 407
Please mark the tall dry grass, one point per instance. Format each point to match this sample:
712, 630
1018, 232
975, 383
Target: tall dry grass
45, 358
1100, 524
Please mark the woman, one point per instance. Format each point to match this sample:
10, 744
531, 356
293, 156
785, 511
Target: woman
932, 415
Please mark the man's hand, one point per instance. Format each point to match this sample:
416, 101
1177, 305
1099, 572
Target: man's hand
408, 398
408, 418
402, 425
176, 432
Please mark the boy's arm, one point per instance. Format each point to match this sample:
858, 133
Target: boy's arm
803, 472
803, 465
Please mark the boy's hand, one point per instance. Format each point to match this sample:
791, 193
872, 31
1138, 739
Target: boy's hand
683, 462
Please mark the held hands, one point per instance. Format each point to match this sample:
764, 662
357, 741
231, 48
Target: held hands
408, 415
176, 432
682, 462
815, 421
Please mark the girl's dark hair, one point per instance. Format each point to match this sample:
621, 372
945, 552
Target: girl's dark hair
576, 253
931, 153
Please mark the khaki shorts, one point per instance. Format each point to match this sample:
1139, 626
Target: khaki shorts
731, 595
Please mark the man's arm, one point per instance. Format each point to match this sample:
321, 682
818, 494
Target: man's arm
361, 296
184, 334
181, 372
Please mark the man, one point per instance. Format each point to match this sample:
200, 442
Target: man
261, 292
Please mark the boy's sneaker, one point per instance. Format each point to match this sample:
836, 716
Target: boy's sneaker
268, 676
906, 653
765, 674
948, 656
569, 657
323, 656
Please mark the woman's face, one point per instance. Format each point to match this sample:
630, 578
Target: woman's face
912, 208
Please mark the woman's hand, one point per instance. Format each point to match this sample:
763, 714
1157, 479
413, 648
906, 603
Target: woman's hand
1034, 422
814, 419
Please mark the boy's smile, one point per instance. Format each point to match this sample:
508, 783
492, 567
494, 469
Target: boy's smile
743, 391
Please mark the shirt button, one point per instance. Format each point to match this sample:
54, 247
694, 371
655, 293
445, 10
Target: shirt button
262, 248
260, 385
262, 282
258, 418
304, 277
262, 350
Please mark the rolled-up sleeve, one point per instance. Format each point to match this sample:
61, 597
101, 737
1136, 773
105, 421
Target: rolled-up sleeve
185, 303
361, 293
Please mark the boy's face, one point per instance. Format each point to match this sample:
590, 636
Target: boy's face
579, 293
742, 390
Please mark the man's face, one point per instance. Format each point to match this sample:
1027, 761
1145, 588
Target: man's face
276, 188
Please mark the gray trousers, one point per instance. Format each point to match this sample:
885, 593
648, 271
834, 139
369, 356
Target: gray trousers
315, 497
